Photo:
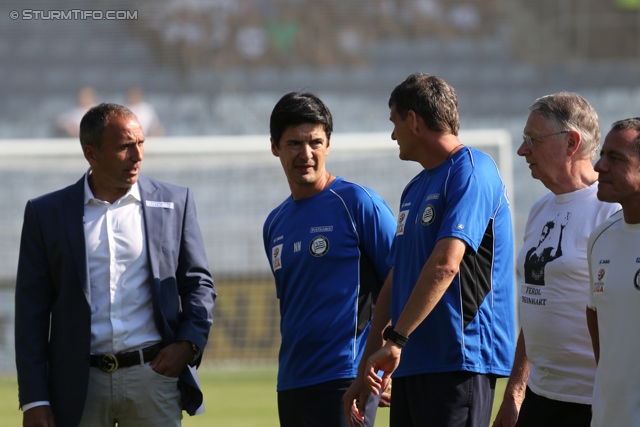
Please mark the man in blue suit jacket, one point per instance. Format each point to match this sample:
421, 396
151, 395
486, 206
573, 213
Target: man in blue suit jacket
114, 296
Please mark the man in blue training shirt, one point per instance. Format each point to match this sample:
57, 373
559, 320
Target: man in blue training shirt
327, 245
451, 303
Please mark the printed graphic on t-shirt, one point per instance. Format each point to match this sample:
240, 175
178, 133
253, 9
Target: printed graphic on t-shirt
533, 295
547, 250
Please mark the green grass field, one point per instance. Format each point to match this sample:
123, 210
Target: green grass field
234, 397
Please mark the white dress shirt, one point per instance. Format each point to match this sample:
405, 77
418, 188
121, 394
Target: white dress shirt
119, 274
121, 308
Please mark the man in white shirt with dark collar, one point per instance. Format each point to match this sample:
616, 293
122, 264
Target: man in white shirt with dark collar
113, 293
614, 269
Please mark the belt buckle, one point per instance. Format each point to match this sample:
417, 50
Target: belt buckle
108, 363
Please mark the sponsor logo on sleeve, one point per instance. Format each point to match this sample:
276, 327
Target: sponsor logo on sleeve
276, 257
402, 221
600, 278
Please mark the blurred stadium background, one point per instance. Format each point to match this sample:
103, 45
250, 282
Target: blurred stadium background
213, 69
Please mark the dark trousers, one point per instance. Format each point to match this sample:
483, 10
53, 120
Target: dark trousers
538, 410
320, 405
449, 399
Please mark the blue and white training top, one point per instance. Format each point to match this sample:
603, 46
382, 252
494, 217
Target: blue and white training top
472, 327
328, 255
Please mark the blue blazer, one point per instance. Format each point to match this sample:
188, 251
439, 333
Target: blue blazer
53, 296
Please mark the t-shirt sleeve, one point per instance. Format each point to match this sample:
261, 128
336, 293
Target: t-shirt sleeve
471, 201
379, 227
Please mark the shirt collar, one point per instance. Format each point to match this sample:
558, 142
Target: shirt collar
134, 191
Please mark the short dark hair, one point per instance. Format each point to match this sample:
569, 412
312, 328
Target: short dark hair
633, 124
95, 121
432, 99
297, 108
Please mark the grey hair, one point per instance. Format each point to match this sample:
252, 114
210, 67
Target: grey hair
570, 111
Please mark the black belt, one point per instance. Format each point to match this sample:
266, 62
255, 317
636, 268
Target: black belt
111, 362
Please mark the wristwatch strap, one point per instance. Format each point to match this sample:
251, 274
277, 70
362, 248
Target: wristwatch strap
394, 336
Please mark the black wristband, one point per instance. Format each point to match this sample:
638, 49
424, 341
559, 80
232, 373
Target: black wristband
390, 334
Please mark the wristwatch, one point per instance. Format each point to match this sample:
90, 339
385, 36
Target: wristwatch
395, 337
195, 349
196, 353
